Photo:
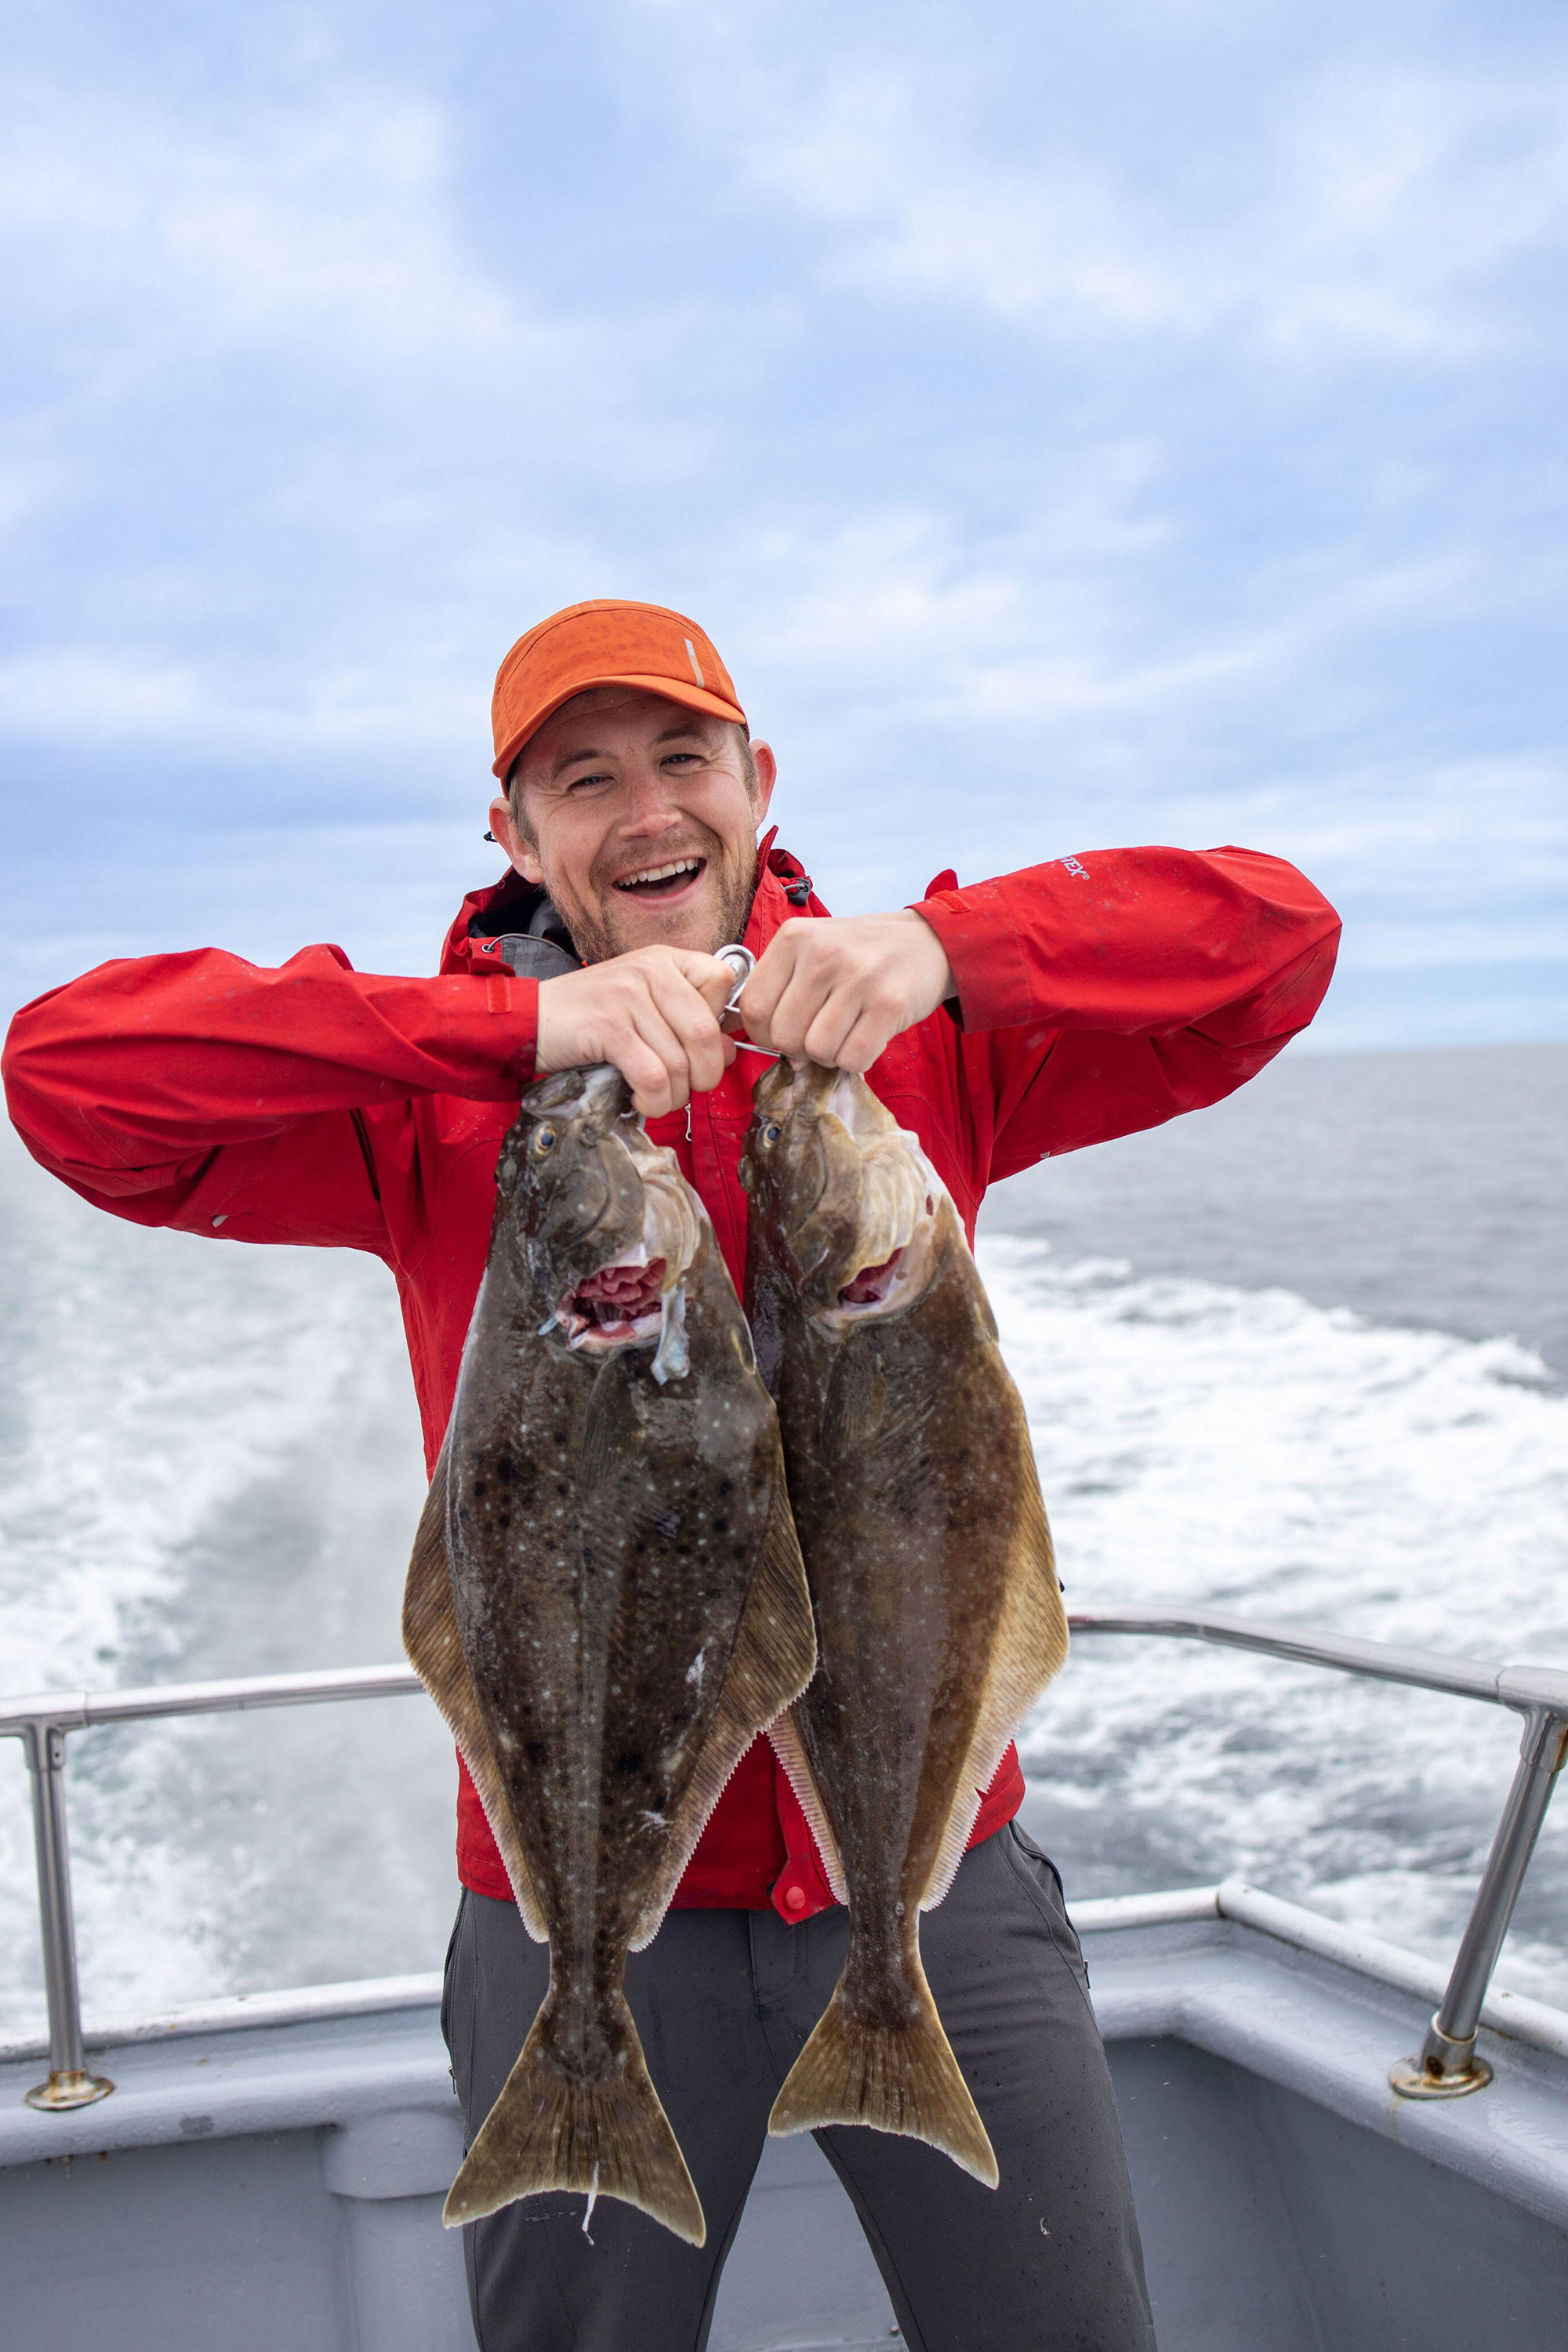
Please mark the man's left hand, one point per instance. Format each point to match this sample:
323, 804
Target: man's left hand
839, 988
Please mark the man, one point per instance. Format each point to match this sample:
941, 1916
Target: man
1054, 1008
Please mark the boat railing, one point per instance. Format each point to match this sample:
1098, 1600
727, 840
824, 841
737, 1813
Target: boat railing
1447, 2065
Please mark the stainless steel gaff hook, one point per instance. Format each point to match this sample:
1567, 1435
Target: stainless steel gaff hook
742, 963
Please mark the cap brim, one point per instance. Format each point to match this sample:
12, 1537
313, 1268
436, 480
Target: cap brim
670, 690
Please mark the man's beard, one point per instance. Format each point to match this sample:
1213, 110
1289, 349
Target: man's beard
596, 937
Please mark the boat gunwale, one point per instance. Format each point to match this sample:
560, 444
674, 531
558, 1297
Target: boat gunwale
41, 1721
1514, 2016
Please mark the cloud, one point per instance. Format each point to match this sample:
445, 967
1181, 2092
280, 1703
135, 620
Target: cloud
1367, 200
1071, 428
105, 701
326, 217
289, 446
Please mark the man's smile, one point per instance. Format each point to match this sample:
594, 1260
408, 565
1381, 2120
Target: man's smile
670, 880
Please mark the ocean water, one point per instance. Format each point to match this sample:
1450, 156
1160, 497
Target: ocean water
1300, 1357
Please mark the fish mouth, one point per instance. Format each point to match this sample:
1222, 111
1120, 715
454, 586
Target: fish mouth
637, 1299
889, 1283
618, 1306
873, 1284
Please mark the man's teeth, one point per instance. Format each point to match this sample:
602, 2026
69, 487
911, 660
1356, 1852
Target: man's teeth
659, 873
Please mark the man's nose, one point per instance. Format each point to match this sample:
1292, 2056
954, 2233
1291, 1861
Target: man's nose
649, 803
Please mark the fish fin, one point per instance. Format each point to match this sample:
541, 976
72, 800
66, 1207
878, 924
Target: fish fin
855, 1404
435, 1650
774, 1658
789, 1749
1029, 1647
609, 2138
893, 2078
603, 1434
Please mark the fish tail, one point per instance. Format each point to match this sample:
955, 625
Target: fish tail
606, 2136
896, 2078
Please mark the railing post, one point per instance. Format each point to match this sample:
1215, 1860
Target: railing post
69, 2084
1447, 2065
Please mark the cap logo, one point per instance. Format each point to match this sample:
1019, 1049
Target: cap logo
696, 665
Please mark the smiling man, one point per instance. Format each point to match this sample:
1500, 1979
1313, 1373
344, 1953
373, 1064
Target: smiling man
639, 816
1079, 999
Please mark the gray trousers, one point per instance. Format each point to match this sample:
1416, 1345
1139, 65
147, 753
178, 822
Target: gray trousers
725, 2002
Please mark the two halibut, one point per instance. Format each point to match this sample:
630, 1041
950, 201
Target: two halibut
607, 1604
938, 1616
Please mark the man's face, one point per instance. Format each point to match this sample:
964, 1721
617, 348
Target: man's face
640, 822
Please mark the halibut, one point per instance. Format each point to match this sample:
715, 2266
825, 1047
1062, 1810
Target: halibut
606, 1601
939, 1617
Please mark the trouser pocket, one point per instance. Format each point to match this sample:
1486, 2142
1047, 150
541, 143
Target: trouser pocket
1042, 1879
448, 1969
459, 2004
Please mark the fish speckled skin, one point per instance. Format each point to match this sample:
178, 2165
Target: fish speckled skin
937, 1612
606, 1601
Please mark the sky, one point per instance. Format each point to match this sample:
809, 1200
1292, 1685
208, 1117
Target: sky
1073, 425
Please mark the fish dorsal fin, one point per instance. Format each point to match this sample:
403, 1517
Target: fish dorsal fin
789, 1749
774, 1658
1029, 1647
435, 1650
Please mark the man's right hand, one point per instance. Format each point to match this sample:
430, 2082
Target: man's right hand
654, 1012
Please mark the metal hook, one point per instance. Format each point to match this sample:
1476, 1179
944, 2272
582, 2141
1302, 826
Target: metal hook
742, 963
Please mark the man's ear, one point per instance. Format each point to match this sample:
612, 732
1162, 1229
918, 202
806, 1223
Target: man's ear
503, 825
767, 769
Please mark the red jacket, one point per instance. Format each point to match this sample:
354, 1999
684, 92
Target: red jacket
315, 1104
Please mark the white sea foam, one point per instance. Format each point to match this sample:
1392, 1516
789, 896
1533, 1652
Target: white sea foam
209, 1464
1247, 1450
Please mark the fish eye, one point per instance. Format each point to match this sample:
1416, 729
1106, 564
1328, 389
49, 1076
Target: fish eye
771, 1132
542, 1141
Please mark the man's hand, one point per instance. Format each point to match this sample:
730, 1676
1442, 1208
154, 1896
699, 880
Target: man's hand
838, 988
653, 1013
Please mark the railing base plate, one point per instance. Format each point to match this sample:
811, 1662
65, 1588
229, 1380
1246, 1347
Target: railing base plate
1412, 2080
63, 2091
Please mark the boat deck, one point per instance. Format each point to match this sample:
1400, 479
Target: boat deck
269, 2172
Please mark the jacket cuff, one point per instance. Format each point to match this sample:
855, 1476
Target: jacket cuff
475, 1010
984, 954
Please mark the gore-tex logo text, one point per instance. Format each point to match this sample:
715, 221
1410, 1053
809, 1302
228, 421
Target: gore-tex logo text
1075, 865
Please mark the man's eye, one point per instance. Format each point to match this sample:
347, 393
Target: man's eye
586, 783
681, 759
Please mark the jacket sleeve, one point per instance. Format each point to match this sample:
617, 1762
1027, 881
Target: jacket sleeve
184, 1089
1104, 993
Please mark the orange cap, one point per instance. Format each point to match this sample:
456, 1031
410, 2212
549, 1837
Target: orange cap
607, 643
